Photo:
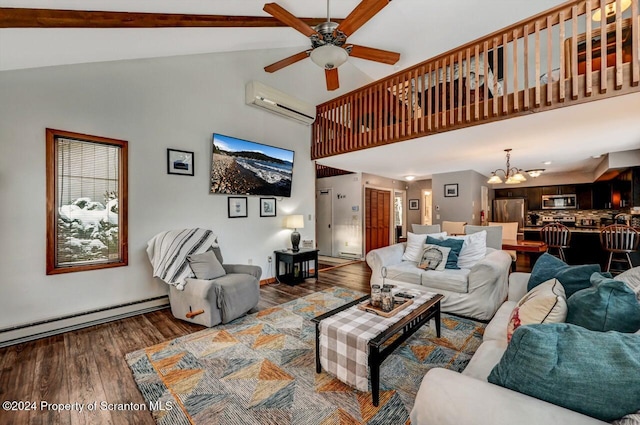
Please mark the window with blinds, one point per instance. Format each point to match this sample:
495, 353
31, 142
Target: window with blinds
86, 202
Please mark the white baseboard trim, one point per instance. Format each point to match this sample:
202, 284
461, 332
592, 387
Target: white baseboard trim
29, 332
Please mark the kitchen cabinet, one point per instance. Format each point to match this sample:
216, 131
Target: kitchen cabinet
602, 195
534, 198
565, 189
584, 195
622, 196
516, 192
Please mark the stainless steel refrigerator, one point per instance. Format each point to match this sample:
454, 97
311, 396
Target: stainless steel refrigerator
508, 210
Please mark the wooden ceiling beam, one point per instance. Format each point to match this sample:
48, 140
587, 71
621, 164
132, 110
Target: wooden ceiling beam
56, 18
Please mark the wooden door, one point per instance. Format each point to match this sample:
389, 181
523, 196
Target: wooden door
377, 218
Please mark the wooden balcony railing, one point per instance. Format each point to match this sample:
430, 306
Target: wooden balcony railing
549, 61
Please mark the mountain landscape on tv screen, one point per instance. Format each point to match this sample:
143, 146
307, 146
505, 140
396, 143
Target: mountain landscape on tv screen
249, 173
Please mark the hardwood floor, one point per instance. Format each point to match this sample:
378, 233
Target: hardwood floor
88, 365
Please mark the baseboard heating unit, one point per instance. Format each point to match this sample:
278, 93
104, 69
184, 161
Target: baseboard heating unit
43, 328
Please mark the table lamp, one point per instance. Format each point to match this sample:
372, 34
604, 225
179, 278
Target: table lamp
294, 222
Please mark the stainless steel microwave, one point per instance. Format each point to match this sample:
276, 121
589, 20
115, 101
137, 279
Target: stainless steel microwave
558, 202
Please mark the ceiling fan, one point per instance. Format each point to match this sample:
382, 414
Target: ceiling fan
329, 48
328, 38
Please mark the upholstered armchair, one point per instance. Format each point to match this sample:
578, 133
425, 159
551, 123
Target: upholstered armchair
217, 294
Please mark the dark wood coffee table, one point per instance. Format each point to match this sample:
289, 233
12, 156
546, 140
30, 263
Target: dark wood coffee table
378, 350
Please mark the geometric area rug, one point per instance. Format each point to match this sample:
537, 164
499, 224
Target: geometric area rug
260, 369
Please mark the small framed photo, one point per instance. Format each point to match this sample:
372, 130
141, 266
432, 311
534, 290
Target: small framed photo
414, 204
179, 162
237, 206
451, 190
267, 207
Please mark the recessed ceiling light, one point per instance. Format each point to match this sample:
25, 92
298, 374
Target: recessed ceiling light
409, 178
547, 163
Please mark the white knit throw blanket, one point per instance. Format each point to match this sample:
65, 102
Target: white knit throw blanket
168, 253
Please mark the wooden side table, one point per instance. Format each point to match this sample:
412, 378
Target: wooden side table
294, 267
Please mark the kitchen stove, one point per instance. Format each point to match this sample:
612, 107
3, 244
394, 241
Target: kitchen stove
567, 220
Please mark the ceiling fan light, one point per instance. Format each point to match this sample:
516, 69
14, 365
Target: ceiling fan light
535, 173
329, 56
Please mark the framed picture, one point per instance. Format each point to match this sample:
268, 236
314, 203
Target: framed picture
414, 204
237, 206
179, 162
267, 207
451, 190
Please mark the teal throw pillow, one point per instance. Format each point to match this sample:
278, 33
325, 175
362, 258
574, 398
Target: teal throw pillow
456, 247
594, 373
544, 269
572, 278
609, 305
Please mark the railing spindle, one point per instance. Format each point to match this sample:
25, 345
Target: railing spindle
561, 91
467, 106
516, 87
635, 44
573, 53
603, 51
537, 40
476, 80
505, 76
549, 61
427, 100
495, 76
485, 56
526, 66
603, 46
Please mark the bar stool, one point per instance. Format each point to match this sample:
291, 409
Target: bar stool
619, 239
556, 236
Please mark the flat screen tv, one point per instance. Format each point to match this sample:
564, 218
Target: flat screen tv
241, 167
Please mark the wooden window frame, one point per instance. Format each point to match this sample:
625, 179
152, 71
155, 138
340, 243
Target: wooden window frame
52, 209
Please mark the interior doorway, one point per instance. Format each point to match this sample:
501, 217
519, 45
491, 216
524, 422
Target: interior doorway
427, 217
378, 218
399, 214
324, 221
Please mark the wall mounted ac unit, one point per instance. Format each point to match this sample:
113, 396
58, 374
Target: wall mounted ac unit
272, 100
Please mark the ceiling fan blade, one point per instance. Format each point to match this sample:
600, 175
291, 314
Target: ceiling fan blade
57, 18
286, 62
361, 14
372, 54
331, 75
287, 18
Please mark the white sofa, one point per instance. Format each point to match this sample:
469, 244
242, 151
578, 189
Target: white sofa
451, 398
476, 292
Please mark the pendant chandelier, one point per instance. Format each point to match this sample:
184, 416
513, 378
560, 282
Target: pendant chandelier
511, 175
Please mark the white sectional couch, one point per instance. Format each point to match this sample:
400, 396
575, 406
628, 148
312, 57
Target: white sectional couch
474, 292
451, 398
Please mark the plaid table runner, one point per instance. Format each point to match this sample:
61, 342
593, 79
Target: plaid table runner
344, 339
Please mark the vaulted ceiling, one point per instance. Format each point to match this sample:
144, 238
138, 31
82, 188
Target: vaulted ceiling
417, 29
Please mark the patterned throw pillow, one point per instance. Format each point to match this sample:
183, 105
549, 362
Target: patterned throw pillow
454, 244
546, 303
414, 249
434, 257
631, 419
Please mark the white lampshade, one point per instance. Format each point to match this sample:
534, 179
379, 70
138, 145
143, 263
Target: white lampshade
519, 176
294, 221
329, 56
495, 179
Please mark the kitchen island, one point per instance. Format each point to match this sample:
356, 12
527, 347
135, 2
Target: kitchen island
585, 246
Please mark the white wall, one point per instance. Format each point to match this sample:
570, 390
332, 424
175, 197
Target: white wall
416, 191
466, 206
347, 222
154, 104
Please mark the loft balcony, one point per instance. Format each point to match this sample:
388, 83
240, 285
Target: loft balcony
565, 56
